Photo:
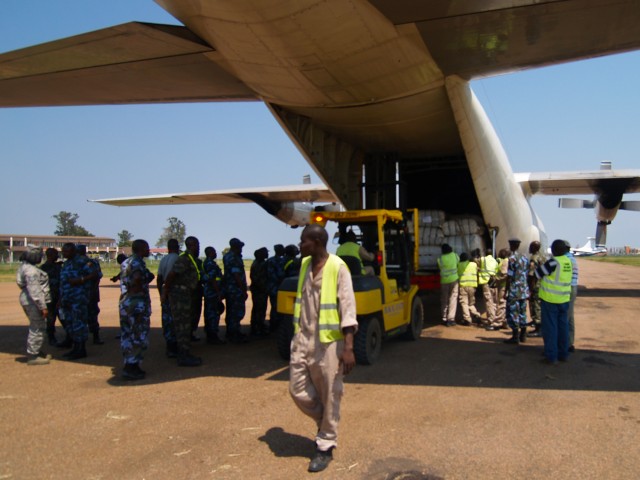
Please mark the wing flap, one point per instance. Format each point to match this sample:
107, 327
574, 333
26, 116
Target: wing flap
293, 193
129, 63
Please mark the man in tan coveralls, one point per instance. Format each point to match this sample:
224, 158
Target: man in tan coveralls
322, 345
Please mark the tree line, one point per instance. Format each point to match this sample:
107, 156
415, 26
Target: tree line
67, 225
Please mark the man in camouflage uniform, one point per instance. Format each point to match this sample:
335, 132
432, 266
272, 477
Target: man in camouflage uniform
275, 275
536, 259
165, 267
235, 286
135, 311
517, 293
179, 287
52, 268
93, 287
196, 299
34, 298
74, 300
213, 294
259, 297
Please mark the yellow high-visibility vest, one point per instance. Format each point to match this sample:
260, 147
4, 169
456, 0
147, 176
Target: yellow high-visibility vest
351, 249
448, 264
329, 322
488, 267
468, 274
556, 288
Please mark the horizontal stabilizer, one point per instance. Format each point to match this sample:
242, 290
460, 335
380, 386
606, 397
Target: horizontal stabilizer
579, 183
129, 63
574, 203
632, 205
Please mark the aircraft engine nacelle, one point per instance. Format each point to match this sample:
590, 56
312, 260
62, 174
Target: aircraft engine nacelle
297, 214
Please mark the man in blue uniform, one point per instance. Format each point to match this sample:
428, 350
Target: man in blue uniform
93, 288
74, 300
235, 284
259, 296
213, 294
517, 293
135, 311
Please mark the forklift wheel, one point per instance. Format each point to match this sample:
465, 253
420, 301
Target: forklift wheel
416, 324
368, 341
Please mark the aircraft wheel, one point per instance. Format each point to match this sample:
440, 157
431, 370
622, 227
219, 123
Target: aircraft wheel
368, 341
416, 323
284, 336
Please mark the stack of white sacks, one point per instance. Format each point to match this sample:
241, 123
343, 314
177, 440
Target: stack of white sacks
462, 232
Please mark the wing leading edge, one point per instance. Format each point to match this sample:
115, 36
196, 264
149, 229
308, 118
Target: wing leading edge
293, 193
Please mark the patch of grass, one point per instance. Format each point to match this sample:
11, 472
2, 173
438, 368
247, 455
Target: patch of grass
633, 260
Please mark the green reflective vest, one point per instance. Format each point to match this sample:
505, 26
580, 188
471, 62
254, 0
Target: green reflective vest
468, 272
329, 321
448, 264
556, 287
351, 249
488, 267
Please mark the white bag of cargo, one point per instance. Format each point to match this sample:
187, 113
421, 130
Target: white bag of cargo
463, 225
465, 243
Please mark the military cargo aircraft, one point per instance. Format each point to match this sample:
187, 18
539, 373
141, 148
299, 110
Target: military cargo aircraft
375, 94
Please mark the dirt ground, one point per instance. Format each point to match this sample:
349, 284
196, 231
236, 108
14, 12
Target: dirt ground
457, 404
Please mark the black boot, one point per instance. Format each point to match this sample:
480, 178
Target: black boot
78, 351
514, 337
96, 339
172, 349
185, 359
523, 334
66, 343
131, 371
536, 332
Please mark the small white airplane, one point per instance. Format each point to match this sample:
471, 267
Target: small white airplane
589, 249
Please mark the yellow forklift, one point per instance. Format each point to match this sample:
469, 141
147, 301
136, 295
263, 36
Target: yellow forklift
387, 303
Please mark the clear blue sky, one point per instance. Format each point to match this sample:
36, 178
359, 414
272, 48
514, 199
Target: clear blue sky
566, 117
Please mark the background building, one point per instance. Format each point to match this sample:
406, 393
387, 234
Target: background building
12, 245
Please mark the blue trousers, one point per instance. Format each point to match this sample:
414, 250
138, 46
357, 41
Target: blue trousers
555, 330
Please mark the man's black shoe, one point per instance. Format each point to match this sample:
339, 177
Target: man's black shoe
215, 340
66, 343
131, 371
534, 334
195, 338
97, 340
572, 348
465, 323
188, 360
320, 460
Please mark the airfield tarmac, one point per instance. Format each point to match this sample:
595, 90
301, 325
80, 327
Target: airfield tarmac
457, 404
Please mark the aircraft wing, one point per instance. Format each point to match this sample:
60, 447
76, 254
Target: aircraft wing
293, 193
579, 183
129, 63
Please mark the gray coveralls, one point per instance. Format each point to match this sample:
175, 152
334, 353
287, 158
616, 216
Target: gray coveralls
315, 381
